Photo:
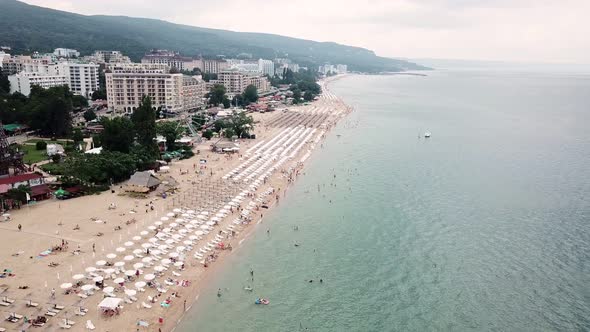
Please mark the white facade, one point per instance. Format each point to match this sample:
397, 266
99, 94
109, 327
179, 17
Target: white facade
107, 57
193, 92
22, 82
342, 69
266, 67
235, 82
3, 56
82, 77
66, 53
214, 66
17, 63
127, 84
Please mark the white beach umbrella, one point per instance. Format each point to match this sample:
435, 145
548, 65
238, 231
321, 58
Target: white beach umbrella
136, 238
151, 228
170, 214
163, 247
199, 233
120, 249
173, 254
143, 233
189, 226
183, 231
137, 251
130, 273
159, 268
194, 222
167, 230
78, 276
158, 223
187, 242
146, 245
109, 271
66, 285
204, 227
190, 211
119, 280
193, 237
140, 284
90, 269
180, 248
149, 277
97, 279
153, 239
111, 256
130, 292
164, 219
119, 264
147, 259
172, 225
138, 266
108, 290
101, 263
210, 223
128, 258
200, 216
227, 207
165, 261
128, 244
155, 252
177, 210
87, 287
178, 264
169, 241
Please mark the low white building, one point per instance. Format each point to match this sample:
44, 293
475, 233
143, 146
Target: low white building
66, 53
22, 82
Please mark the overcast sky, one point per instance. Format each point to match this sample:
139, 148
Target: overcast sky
511, 30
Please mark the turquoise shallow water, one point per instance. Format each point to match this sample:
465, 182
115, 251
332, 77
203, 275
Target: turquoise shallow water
483, 227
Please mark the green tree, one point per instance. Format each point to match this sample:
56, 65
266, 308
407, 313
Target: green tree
250, 95
19, 193
79, 101
144, 122
296, 96
100, 168
241, 124
308, 96
117, 135
50, 110
4, 83
171, 132
89, 115
219, 124
40, 145
208, 134
217, 95
229, 133
77, 136
99, 94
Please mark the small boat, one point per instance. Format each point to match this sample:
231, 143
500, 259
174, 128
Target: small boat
248, 288
262, 301
427, 134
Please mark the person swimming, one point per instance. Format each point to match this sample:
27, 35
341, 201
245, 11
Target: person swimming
219, 292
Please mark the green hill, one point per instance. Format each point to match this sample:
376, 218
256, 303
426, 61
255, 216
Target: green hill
28, 28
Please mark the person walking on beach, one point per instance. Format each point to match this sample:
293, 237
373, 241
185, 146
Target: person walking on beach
184, 305
20, 227
94, 247
53, 293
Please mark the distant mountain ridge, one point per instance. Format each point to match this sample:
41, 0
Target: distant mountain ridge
28, 28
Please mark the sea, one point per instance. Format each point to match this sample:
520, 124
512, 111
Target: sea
484, 226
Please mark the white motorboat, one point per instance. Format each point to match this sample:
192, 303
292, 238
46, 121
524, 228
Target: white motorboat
427, 134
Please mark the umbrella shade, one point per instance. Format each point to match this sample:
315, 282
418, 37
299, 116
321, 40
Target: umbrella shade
140, 284
146, 245
210, 223
78, 276
201, 217
128, 244
149, 277
108, 290
151, 228
156, 252
111, 256
101, 263
120, 249
90, 269
87, 287
187, 242
193, 237
136, 238
119, 264
164, 218
177, 210
172, 225
109, 271
204, 227
169, 241
130, 273
199, 233
130, 292
158, 223
180, 248
137, 251
143, 233
165, 261
159, 268
138, 266
178, 264
97, 279
146, 259
66, 285
190, 211
153, 240
119, 280
128, 258
173, 254
61, 192
170, 214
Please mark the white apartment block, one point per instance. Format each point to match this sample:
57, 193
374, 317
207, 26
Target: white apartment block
17, 63
266, 67
127, 84
66, 53
213, 66
193, 92
342, 69
172, 59
82, 77
2, 57
107, 57
23, 81
235, 82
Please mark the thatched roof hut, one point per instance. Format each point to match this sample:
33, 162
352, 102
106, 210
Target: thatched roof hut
142, 182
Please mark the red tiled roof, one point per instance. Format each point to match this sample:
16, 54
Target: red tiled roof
40, 190
19, 178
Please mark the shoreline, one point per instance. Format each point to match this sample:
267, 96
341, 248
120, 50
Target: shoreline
244, 235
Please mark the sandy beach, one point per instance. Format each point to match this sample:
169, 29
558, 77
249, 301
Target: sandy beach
60, 242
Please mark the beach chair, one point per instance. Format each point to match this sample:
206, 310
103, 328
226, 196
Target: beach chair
4, 304
65, 326
50, 313
127, 300
79, 313
82, 295
17, 316
2, 329
89, 325
133, 298
176, 274
32, 304
145, 305
58, 307
6, 299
